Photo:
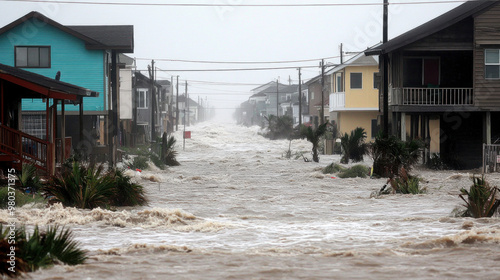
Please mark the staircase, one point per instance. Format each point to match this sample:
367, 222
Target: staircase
17, 147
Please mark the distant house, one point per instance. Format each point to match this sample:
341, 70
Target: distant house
354, 94
444, 82
188, 111
315, 91
146, 108
86, 56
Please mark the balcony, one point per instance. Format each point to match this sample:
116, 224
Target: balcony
437, 97
337, 101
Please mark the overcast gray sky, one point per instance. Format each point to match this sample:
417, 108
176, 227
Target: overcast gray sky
238, 33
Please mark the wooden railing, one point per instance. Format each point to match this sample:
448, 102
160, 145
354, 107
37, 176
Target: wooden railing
337, 100
25, 148
432, 96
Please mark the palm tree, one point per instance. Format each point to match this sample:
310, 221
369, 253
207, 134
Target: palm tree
313, 136
354, 147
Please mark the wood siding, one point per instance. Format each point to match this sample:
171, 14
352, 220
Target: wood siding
487, 35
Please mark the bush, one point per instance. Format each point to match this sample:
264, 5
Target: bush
168, 154
355, 171
39, 250
436, 163
313, 136
126, 193
353, 146
20, 198
140, 162
279, 127
481, 199
333, 168
89, 187
391, 154
29, 179
407, 184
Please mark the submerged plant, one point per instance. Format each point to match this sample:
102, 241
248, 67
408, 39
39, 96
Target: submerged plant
29, 179
313, 136
169, 154
481, 198
126, 192
353, 146
38, 250
81, 186
355, 171
333, 168
406, 184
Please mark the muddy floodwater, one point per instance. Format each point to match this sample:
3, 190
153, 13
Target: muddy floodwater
238, 209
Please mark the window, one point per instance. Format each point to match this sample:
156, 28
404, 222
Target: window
339, 83
376, 80
312, 95
142, 99
492, 64
32, 57
356, 80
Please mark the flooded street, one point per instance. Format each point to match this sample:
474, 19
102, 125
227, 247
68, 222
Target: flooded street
237, 209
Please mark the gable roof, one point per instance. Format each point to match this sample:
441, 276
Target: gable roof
442, 22
114, 37
359, 59
43, 85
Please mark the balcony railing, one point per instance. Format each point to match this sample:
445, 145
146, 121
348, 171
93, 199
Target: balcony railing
337, 100
432, 96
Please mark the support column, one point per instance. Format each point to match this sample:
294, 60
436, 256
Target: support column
488, 128
80, 121
63, 132
403, 126
2, 100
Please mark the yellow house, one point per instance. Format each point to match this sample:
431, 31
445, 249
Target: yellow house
354, 95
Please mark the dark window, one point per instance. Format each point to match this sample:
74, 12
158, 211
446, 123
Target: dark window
492, 64
376, 80
375, 128
32, 57
356, 80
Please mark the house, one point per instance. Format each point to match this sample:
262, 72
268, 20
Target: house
146, 108
354, 94
444, 82
86, 56
315, 90
127, 65
167, 118
190, 109
46, 149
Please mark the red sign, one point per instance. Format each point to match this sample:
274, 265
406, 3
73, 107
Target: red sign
187, 134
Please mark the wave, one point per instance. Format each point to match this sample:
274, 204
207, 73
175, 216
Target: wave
175, 219
481, 235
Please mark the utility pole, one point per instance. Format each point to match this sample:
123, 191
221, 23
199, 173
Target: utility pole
277, 97
322, 110
153, 100
187, 105
177, 105
385, 71
341, 53
300, 99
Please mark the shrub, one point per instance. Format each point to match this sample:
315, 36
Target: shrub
20, 198
29, 179
355, 171
333, 168
81, 186
313, 136
353, 146
279, 127
481, 199
436, 163
39, 250
406, 184
140, 162
126, 192
391, 154
168, 154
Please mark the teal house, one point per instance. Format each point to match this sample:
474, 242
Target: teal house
86, 56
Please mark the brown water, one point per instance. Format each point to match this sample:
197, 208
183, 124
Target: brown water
236, 209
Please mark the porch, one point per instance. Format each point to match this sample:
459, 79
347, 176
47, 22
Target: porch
449, 97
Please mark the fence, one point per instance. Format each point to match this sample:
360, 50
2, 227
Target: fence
491, 158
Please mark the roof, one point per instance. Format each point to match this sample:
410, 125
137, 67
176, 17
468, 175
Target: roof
43, 84
114, 37
442, 22
182, 99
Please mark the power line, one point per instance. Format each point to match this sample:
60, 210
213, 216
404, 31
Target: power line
236, 5
238, 62
233, 69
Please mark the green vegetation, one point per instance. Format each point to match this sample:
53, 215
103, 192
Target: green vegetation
168, 154
406, 184
353, 146
162, 153
38, 250
21, 198
391, 154
140, 162
355, 171
333, 168
29, 179
279, 127
88, 186
313, 136
481, 199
